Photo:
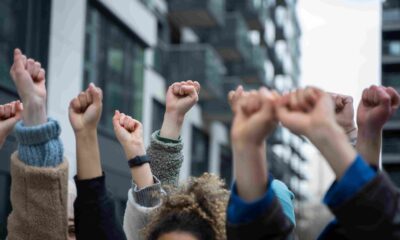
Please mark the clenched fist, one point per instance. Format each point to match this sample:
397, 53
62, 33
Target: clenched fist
129, 133
85, 109
10, 113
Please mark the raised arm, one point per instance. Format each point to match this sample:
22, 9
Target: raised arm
344, 113
376, 106
253, 210
39, 172
365, 203
166, 147
145, 194
94, 208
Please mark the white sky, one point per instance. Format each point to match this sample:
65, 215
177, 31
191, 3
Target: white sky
340, 44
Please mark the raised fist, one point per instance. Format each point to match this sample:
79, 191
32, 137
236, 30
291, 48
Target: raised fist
29, 78
181, 97
306, 111
377, 105
254, 116
129, 133
85, 109
344, 111
10, 113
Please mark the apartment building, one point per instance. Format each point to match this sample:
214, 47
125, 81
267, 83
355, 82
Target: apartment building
133, 50
391, 77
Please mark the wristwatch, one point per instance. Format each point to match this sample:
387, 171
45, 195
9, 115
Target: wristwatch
138, 161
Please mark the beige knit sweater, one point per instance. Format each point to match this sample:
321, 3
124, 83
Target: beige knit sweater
39, 202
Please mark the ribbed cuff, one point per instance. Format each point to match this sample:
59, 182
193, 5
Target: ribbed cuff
171, 146
39, 134
149, 196
167, 140
40, 145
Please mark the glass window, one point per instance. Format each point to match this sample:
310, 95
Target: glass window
114, 61
158, 115
226, 164
5, 205
200, 146
24, 24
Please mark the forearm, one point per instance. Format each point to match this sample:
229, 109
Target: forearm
172, 124
369, 145
88, 155
34, 113
250, 169
333, 145
142, 175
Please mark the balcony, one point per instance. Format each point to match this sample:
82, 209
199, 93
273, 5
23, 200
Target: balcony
391, 52
220, 110
197, 62
197, 14
231, 42
391, 80
254, 12
391, 19
252, 71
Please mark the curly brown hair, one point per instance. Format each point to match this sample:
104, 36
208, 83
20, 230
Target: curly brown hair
197, 207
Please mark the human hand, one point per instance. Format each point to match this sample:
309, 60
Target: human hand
29, 78
377, 105
254, 116
10, 114
307, 112
129, 133
85, 109
181, 97
344, 111
311, 112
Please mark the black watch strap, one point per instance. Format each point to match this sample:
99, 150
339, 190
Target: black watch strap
138, 161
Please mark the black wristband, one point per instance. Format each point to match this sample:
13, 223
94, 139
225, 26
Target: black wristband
138, 161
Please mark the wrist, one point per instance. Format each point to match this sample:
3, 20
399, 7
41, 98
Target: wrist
133, 150
34, 113
172, 125
86, 134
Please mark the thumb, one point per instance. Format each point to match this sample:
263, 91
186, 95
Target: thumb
96, 94
18, 59
10, 122
118, 129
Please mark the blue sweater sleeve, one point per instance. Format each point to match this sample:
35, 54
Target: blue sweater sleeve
240, 211
355, 177
40, 146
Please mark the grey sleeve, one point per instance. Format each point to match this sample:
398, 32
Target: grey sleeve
166, 159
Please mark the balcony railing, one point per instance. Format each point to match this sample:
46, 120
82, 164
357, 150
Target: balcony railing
232, 41
391, 80
252, 71
391, 15
254, 11
195, 13
391, 146
220, 110
197, 62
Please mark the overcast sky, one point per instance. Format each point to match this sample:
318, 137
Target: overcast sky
340, 44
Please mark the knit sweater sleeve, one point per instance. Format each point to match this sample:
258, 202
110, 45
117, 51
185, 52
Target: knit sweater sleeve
139, 207
39, 201
166, 159
40, 145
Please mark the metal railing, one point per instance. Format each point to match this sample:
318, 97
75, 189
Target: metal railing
197, 62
